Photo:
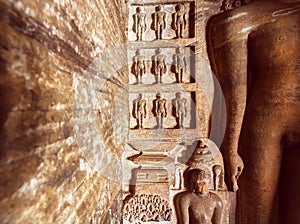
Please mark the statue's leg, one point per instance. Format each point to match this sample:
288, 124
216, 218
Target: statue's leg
141, 33
261, 152
181, 31
180, 74
160, 32
160, 75
180, 120
141, 120
140, 76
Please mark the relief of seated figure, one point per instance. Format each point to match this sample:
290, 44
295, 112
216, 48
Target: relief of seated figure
197, 205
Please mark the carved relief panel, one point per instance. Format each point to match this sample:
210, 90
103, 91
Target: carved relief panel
161, 65
165, 160
157, 110
151, 20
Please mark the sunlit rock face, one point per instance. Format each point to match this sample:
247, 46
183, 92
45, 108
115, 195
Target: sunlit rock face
53, 98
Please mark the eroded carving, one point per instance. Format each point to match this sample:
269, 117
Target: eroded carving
180, 64
181, 109
218, 177
147, 208
201, 155
140, 25
160, 65
160, 109
139, 110
180, 20
177, 178
197, 204
159, 21
139, 65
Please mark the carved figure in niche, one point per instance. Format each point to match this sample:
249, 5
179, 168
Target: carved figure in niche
160, 65
218, 178
180, 63
197, 205
139, 23
177, 178
159, 22
139, 66
139, 110
160, 109
180, 109
180, 21
257, 64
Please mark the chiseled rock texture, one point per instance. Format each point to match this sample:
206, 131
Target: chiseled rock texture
46, 49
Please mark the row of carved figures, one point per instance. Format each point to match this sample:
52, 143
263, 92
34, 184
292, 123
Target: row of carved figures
159, 22
159, 65
159, 109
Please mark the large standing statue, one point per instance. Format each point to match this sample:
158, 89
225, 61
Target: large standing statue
197, 205
140, 23
159, 22
254, 52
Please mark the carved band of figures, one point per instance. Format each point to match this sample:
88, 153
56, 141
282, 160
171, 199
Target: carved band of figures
159, 22
160, 109
160, 66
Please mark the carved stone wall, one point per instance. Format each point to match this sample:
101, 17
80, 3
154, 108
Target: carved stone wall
65, 120
170, 96
45, 48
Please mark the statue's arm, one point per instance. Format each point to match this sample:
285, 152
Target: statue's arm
217, 217
184, 211
144, 64
134, 109
145, 110
165, 108
228, 58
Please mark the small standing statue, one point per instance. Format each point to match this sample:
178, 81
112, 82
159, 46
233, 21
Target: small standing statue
160, 65
180, 63
160, 109
177, 178
140, 23
159, 22
197, 204
180, 21
180, 108
218, 177
139, 66
139, 110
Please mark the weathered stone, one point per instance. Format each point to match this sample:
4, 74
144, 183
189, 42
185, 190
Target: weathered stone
45, 47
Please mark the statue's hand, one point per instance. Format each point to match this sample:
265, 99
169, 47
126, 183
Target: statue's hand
234, 167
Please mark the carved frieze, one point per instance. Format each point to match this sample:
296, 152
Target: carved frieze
146, 208
164, 123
